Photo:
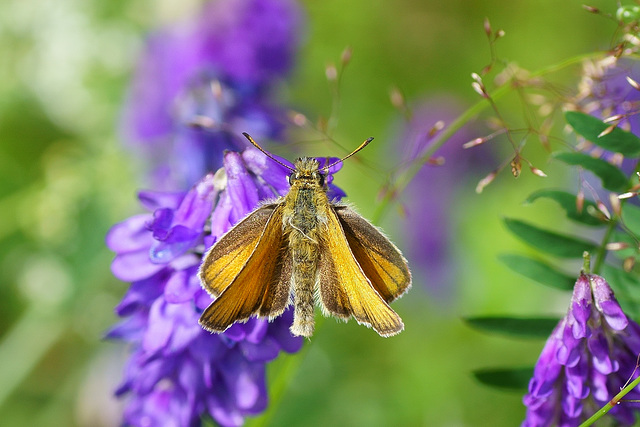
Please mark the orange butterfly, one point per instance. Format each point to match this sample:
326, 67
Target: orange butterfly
304, 248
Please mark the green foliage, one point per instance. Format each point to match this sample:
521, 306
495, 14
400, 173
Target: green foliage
538, 271
613, 179
568, 202
591, 128
631, 218
521, 327
626, 285
506, 378
561, 245
552, 243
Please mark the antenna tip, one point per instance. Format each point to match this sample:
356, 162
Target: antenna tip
255, 144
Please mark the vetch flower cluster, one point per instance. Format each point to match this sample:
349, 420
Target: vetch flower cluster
179, 372
586, 361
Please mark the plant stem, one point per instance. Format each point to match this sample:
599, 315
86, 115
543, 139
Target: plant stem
602, 249
404, 178
613, 402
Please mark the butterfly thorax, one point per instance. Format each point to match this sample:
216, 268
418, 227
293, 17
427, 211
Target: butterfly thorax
305, 212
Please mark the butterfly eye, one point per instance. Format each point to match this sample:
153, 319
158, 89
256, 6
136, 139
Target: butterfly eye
291, 178
321, 180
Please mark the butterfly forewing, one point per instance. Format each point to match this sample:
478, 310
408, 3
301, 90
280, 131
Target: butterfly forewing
379, 259
344, 289
262, 284
228, 255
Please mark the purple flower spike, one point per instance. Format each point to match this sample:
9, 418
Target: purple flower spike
178, 372
433, 193
199, 85
604, 90
587, 359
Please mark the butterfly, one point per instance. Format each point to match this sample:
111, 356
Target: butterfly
304, 249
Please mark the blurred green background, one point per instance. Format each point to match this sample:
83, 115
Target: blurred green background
65, 179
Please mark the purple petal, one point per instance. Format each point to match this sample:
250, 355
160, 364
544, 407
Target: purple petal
569, 353
264, 351
581, 307
572, 408
142, 293
577, 379
279, 330
202, 298
599, 348
223, 410
607, 304
153, 200
220, 218
177, 242
134, 266
179, 287
240, 187
161, 223
197, 204
245, 381
130, 235
273, 173
130, 329
256, 329
335, 193
207, 347
160, 328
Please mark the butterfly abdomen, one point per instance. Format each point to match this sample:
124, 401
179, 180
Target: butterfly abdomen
302, 225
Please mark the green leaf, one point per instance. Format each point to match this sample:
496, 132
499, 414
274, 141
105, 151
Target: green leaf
538, 271
627, 280
550, 242
617, 141
522, 327
509, 378
568, 202
631, 218
613, 179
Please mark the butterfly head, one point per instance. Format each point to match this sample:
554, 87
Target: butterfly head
307, 173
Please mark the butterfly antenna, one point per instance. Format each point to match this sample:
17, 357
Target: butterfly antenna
255, 144
364, 144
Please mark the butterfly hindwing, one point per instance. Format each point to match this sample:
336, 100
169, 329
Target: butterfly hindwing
344, 288
380, 260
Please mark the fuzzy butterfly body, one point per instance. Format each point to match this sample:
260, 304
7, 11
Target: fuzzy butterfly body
304, 249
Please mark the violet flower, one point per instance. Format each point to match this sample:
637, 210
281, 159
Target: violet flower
431, 195
604, 91
198, 86
178, 372
586, 361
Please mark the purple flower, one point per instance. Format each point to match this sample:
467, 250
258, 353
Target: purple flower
586, 361
198, 86
178, 372
432, 194
604, 91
